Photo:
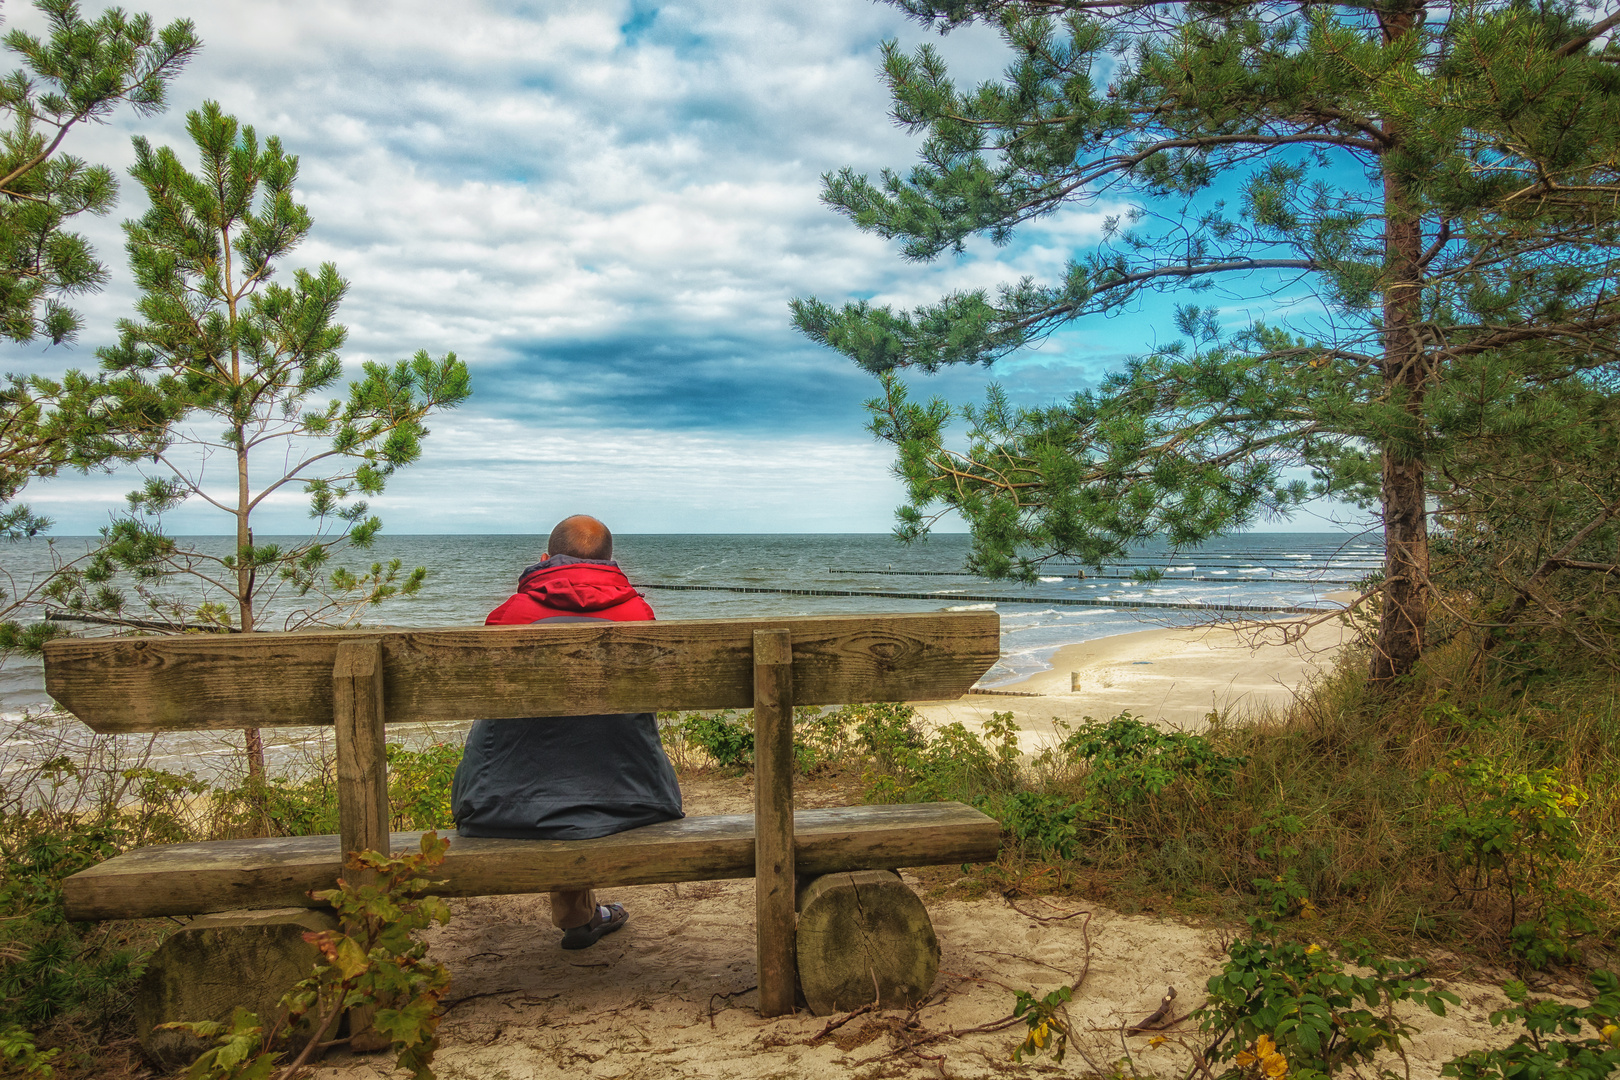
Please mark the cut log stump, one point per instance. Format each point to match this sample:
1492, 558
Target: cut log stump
864, 936
217, 963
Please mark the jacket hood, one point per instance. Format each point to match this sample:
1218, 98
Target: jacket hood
565, 583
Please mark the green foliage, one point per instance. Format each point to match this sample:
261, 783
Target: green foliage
419, 785
1513, 834
371, 961
1048, 1022
248, 360
1045, 824
81, 73
954, 763
277, 805
58, 816
1297, 1001
1540, 1051
1455, 172
20, 1057
1129, 761
1282, 894
888, 732
725, 737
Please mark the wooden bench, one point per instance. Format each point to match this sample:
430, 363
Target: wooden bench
360, 680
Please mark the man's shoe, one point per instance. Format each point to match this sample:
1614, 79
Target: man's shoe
608, 918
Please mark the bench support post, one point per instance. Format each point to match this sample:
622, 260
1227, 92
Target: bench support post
773, 820
362, 762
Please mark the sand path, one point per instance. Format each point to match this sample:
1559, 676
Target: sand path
672, 995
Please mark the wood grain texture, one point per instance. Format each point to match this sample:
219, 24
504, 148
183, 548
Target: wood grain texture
773, 820
864, 936
204, 681
223, 875
362, 762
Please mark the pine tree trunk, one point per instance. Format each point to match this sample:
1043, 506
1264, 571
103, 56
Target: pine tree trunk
1408, 371
244, 598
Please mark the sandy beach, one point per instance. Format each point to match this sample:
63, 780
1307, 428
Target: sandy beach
1171, 677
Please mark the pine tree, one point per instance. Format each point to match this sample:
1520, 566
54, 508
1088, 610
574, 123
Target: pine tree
247, 361
80, 74
1442, 177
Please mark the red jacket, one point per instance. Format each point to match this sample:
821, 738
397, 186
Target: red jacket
564, 585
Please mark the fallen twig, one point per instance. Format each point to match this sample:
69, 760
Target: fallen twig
1044, 918
1025, 959
733, 993
473, 997
834, 1025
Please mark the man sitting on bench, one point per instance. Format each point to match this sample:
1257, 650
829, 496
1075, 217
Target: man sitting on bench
568, 777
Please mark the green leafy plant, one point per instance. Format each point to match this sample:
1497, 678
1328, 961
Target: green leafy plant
20, 1057
1546, 1048
887, 731
1128, 761
954, 763
372, 963
1044, 823
725, 737
1048, 1021
1279, 1007
821, 738
1281, 894
419, 785
1508, 836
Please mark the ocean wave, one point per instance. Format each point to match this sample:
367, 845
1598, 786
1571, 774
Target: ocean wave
972, 607
1049, 580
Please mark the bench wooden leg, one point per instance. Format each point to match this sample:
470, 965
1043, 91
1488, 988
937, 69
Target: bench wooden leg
773, 819
362, 750
864, 936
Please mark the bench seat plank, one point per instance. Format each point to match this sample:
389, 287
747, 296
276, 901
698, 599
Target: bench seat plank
224, 875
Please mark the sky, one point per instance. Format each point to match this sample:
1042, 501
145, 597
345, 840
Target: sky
604, 209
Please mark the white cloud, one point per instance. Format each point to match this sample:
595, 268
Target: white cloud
608, 231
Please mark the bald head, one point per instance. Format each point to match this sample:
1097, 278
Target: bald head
581, 536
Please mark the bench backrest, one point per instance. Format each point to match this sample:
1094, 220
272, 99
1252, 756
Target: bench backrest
201, 681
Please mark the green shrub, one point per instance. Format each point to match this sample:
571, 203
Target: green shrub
1511, 836
1043, 823
1279, 1008
725, 737
1128, 762
953, 764
419, 785
1540, 1051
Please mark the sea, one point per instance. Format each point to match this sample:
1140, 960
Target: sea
702, 576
